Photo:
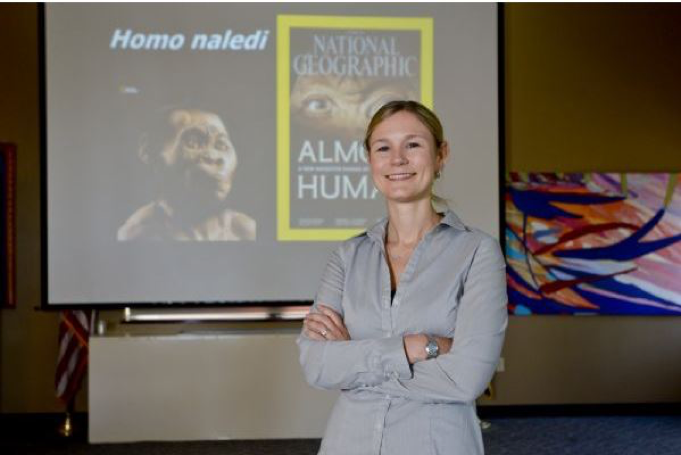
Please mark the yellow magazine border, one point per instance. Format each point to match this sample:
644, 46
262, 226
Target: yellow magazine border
284, 25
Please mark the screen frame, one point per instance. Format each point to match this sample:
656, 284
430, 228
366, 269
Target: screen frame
276, 310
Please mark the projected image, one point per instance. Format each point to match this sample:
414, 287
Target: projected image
193, 162
213, 153
342, 106
340, 74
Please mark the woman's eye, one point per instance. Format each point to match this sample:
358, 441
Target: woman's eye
412, 145
383, 148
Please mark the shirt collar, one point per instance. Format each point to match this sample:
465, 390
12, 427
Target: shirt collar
377, 231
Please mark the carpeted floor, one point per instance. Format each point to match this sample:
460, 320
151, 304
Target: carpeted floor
617, 435
585, 435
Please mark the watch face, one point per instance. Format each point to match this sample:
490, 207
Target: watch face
432, 349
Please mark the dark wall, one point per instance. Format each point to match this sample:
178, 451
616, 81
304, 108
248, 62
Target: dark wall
28, 338
592, 88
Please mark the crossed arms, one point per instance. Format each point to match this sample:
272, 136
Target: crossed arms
397, 365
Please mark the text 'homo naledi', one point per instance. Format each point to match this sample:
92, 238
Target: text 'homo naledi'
127, 39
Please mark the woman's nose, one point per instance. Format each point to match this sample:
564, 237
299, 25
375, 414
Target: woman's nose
398, 156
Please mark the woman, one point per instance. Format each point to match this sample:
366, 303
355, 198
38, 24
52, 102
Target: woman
410, 317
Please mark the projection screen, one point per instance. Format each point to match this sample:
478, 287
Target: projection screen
213, 153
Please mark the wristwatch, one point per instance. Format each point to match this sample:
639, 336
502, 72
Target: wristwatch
432, 349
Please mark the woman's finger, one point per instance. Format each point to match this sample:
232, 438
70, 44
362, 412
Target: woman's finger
321, 329
335, 317
313, 335
337, 320
316, 326
321, 319
327, 323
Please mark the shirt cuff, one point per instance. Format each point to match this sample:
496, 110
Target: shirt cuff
390, 359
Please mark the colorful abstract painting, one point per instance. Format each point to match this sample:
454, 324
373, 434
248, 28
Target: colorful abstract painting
595, 243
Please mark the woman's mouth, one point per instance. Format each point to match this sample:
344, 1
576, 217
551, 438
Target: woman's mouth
400, 176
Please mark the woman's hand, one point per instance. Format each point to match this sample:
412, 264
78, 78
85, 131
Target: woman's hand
415, 346
325, 325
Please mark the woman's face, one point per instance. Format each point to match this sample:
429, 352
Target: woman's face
404, 158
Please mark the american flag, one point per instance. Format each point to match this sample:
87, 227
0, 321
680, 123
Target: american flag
74, 331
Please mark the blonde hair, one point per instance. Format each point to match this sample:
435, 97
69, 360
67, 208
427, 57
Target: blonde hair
426, 116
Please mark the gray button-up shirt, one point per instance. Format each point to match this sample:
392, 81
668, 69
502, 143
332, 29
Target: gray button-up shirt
454, 286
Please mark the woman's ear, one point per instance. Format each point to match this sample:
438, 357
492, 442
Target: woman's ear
443, 155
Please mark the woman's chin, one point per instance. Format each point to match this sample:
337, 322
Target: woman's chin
398, 197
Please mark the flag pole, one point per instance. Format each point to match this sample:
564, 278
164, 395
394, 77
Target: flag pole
66, 428
74, 332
